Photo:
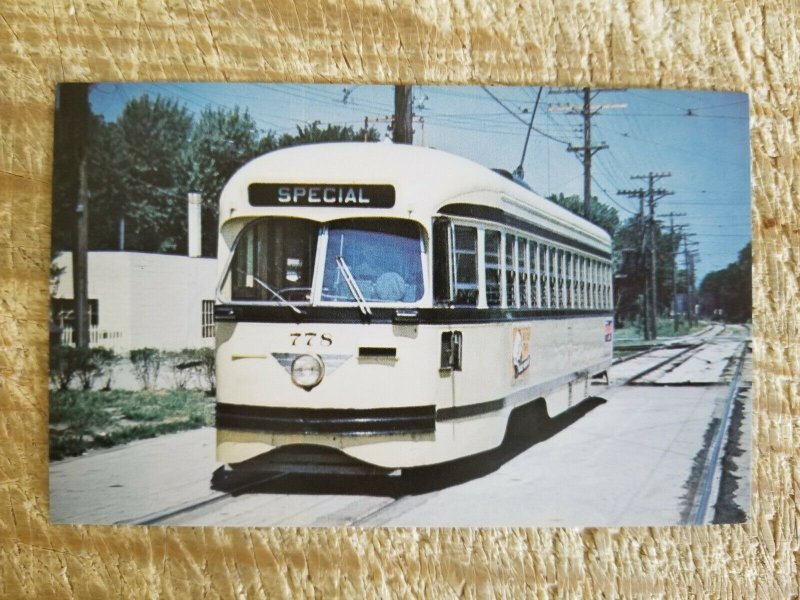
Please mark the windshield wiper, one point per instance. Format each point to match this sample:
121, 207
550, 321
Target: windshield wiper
273, 292
353, 286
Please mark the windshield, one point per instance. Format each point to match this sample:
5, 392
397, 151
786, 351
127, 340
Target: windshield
384, 257
273, 261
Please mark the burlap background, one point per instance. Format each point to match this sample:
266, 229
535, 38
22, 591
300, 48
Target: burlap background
735, 45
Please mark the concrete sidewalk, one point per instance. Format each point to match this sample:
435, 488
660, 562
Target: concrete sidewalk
133, 480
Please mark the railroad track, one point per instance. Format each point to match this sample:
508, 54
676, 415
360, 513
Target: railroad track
158, 517
711, 471
703, 497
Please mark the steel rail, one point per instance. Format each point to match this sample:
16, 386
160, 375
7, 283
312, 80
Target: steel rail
713, 465
162, 515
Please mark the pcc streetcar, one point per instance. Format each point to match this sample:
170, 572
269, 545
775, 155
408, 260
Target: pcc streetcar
387, 306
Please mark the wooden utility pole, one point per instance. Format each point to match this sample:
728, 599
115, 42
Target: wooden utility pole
402, 131
651, 298
585, 152
645, 291
674, 248
389, 119
653, 195
73, 108
688, 262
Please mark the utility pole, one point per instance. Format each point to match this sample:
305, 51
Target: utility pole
653, 195
587, 150
390, 120
73, 109
640, 253
693, 259
675, 319
402, 132
689, 265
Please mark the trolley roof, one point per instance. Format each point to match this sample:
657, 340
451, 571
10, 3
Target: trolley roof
424, 180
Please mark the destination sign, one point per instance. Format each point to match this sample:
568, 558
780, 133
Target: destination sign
321, 194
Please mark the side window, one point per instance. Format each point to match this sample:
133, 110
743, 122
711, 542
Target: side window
442, 271
522, 270
555, 287
548, 269
466, 260
533, 277
511, 275
492, 256
569, 278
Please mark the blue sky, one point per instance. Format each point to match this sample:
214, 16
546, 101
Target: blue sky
701, 138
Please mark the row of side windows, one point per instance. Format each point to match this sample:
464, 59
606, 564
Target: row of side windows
517, 272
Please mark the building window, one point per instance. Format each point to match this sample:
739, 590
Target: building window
208, 318
63, 310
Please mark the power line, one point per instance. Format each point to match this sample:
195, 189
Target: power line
518, 118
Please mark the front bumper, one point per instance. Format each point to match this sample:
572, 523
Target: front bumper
321, 421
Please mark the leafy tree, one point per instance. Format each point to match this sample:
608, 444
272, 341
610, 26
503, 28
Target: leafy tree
313, 134
602, 215
107, 165
729, 290
152, 137
143, 165
220, 143
632, 266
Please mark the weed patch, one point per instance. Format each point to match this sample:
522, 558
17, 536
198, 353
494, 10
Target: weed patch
85, 419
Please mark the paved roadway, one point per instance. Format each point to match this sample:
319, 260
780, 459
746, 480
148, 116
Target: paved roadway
627, 461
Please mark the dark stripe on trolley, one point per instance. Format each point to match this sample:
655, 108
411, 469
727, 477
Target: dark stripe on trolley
470, 410
517, 398
374, 421
496, 215
272, 313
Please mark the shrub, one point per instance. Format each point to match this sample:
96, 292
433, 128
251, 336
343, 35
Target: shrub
63, 365
146, 363
184, 364
93, 363
208, 368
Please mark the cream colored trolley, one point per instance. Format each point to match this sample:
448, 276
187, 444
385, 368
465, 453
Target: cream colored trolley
394, 304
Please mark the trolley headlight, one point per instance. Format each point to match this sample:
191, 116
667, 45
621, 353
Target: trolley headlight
307, 371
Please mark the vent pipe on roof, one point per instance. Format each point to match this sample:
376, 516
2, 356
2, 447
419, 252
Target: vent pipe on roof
195, 224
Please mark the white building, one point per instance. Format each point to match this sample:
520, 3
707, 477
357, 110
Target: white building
141, 300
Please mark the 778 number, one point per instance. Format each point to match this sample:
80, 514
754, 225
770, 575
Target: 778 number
311, 339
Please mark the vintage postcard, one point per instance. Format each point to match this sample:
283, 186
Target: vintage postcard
351, 305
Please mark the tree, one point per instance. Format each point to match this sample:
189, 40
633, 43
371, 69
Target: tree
106, 168
152, 136
729, 291
602, 215
221, 141
632, 267
313, 134
142, 166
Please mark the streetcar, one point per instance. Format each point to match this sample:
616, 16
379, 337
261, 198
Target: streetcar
384, 306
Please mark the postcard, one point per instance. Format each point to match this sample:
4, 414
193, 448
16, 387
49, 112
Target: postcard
389, 306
